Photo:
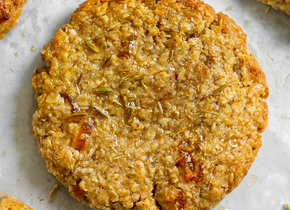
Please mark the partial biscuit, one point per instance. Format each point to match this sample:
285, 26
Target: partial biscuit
281, 5
10, 10
10, 203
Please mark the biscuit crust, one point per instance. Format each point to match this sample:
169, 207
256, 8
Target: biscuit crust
10, 10
149, 105
281, 5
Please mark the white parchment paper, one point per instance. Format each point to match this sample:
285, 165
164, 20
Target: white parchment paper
22, 170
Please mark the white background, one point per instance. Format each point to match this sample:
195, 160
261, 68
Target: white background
22, 170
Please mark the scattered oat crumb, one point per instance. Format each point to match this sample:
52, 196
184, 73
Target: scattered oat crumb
30, 194
268, 9
286, 78
2, 154
41, 199
32, 49
230, 8
11, 69
270, 55
51, 201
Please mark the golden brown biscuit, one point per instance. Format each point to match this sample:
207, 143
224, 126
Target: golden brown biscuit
9, 13
149, 105
281, 5
10, 203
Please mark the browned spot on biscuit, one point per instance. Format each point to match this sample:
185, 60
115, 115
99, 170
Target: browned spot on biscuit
77, 193
83, 134
71, 101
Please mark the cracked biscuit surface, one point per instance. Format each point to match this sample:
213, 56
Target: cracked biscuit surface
281, 5
10, 10
149, 105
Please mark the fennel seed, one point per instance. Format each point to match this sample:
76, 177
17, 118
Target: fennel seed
92, 46
107, 61
78, 114
171, 55
220, 89
101, 111
213, 127
102, 90
131, 112
119, 157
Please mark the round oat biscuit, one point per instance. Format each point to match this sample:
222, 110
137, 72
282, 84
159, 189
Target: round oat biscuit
149, 105
10, 10
281, 5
